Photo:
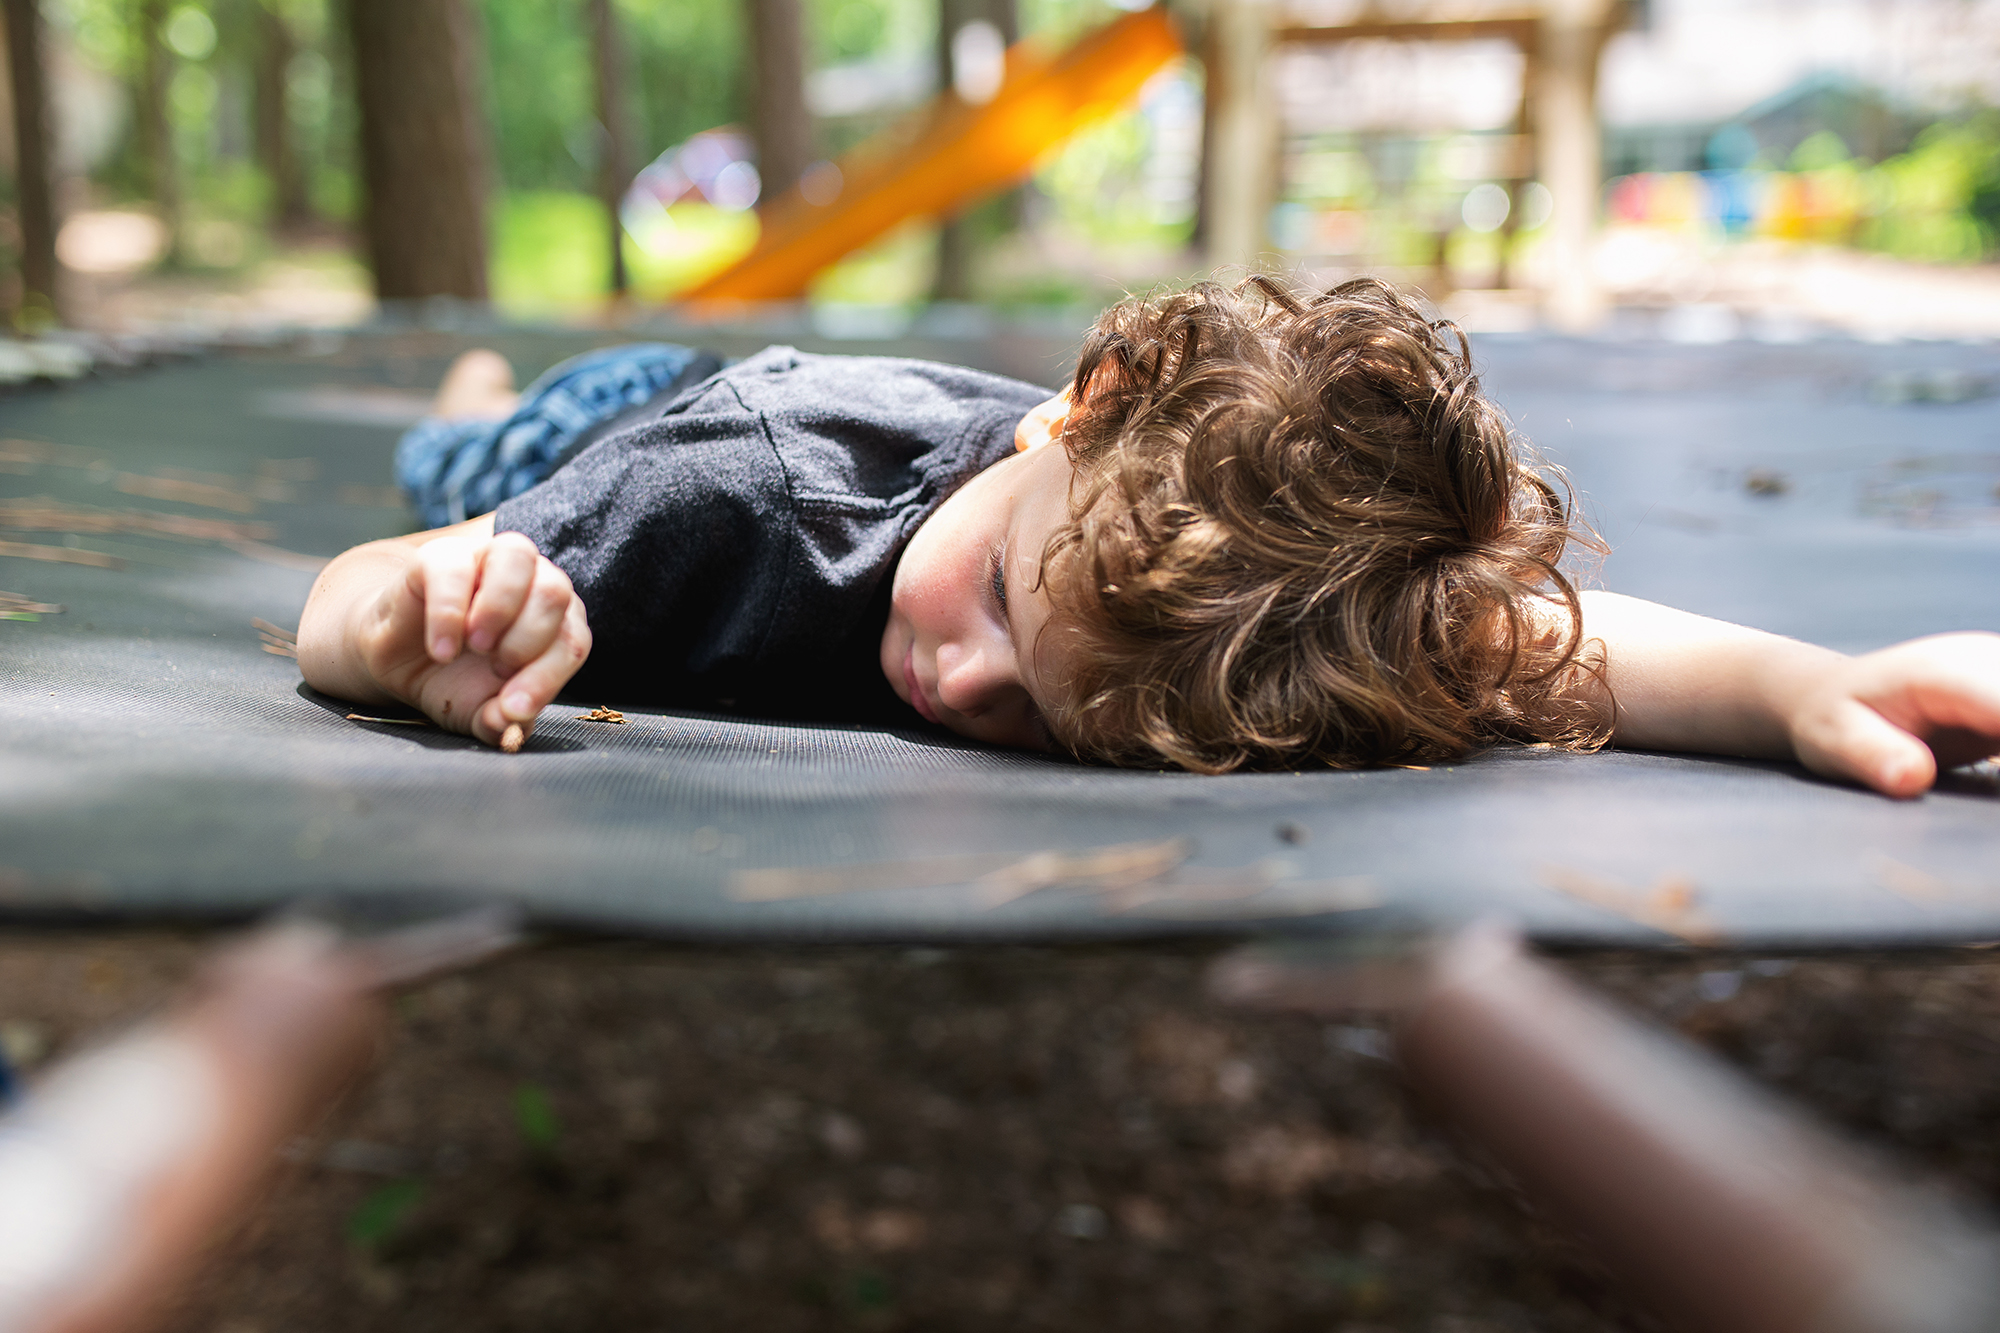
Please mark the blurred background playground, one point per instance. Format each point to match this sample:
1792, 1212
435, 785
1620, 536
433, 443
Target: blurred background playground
1679, 168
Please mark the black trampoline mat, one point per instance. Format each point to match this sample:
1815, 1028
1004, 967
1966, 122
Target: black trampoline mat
157, 763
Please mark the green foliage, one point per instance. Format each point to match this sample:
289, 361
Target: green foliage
691, 242
549, 251
378, 1216
838, 31
1097, 185
868, 1291
898, 269
535, 1118
1941, 200
540, 93
686, 69
1059, 21
1817, 152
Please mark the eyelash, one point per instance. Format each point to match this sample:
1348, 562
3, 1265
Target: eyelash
996, 577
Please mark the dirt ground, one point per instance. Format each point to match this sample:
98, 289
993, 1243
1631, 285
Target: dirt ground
611, 1136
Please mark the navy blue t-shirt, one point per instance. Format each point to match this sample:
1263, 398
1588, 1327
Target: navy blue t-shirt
733, 550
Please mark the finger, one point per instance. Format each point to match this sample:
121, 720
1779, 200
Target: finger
1963, 699
1855, 742
537, 621
442, 576
490, 725
536, 685
504, 579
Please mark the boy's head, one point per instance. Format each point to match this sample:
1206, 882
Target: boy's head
1290, 531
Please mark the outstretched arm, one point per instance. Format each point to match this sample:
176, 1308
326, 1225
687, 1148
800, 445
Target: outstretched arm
1888, 719
476, 630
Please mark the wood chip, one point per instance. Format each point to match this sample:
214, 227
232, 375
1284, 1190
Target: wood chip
180, 491
781, 883
1101, 869
41, 513
1001, 877
277, 555
1671, 905
1907, 881
55, 455
61, 555
512, 739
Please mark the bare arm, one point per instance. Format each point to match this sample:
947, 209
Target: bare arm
476, 630
1887, 719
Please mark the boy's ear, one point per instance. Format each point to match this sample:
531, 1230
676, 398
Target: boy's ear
1044, 422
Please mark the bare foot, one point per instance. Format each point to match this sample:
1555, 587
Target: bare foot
479, 386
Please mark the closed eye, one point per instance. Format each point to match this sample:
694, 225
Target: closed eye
996, 578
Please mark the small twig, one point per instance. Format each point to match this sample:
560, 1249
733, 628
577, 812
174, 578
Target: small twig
12, 603
390, 721
277, 640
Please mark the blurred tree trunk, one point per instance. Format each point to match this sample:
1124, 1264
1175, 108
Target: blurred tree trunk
34, 175
277, 148
156, 131
779, 120
423, 171
614, 165
956, 242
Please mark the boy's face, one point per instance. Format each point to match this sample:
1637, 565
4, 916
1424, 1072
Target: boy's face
966, 604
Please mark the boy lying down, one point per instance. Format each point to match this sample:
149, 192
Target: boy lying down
1262, 529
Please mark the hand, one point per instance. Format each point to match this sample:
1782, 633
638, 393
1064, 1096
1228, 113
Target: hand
1893, 718
479, 632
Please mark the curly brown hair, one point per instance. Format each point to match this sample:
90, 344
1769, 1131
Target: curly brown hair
1300, 535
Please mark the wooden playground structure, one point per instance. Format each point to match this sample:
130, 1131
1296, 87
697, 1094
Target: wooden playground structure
425, 184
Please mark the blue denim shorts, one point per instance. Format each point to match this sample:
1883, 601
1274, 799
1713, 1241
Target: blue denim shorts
455, 469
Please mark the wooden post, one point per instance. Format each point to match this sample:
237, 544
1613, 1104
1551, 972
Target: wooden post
1521, 170
423, 164
614, 158
34, 175
1569, 139
277, 148
1240, 172
779, 120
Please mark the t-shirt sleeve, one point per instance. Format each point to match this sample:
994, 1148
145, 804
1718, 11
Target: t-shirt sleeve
667, 531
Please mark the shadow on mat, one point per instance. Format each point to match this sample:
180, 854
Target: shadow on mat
410, 725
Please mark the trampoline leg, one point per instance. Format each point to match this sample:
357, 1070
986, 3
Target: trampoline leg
121, 1167
1726, 1208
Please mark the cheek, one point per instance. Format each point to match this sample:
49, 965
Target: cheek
919, 587
934, 580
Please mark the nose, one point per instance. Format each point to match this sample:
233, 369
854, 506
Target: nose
974, 678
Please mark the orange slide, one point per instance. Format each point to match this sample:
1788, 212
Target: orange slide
948, 154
